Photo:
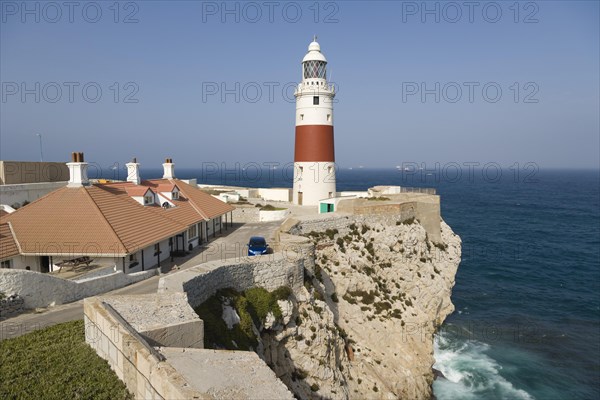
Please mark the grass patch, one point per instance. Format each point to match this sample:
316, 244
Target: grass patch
381, 198
56, 363
269, 207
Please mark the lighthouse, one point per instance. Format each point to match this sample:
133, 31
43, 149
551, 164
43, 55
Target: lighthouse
314, 156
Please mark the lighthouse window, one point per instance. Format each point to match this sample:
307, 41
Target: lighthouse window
314, 69
328, 117
316, 100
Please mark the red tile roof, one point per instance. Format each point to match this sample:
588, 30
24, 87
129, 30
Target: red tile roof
8, 246
103, 219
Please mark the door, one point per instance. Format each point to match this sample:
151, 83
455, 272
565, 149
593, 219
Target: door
299, 198
44, 264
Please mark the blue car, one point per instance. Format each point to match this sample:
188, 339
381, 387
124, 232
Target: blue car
257, 246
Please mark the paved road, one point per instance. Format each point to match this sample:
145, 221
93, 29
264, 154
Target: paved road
231, 244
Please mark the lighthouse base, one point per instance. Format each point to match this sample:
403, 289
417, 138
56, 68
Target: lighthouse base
313, 181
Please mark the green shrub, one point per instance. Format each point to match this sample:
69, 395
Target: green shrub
330, 233
381, 306
314, 387
441, 246
367, 297
318, 273
349, 299
334, 298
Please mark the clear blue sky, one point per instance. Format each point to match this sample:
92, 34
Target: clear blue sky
376, 50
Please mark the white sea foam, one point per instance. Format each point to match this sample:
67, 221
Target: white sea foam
469, 372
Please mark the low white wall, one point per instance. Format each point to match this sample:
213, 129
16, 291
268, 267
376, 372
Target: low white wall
43, 290
275, 194
354, 193
245, 214
265, 216
11, 194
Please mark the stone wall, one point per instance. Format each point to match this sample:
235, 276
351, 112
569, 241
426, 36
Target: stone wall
20, 193
172, 371
245, 214
11, 305
277, 215
14, 172
423, 207
43, 290
142, 369
342, 222
270, 272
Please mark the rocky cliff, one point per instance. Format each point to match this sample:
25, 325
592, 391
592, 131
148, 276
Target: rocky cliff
363, 326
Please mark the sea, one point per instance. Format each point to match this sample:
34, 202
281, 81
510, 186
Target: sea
527, 293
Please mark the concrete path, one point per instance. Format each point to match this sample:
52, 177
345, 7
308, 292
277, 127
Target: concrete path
231, 244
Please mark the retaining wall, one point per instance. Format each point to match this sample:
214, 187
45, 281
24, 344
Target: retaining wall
142, 369
270, 272
43, 290
10, 306
245, 214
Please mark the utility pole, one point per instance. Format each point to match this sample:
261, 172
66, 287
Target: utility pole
39, 135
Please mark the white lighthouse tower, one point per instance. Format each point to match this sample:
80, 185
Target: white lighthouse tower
314, 155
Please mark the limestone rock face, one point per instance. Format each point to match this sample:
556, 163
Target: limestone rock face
363, 325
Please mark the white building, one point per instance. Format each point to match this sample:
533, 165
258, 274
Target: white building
314, 155
134, 225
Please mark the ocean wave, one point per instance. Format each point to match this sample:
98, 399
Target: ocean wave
470, 373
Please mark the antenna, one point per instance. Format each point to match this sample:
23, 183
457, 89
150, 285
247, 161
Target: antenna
314, 38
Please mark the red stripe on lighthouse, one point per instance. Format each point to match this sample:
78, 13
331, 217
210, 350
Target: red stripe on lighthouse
314, 143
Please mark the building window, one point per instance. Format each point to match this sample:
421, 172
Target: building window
133, 262
315, 100
148, 199
5, 264
157, 249
301, 117
175, 195
328, 117
193, 232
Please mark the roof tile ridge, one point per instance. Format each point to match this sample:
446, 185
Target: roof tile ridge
105, 220
194, 206
14, 236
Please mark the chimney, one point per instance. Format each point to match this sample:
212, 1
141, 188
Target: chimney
77, 171
169, 168
133, 172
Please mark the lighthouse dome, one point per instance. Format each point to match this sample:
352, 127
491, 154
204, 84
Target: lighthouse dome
314, 53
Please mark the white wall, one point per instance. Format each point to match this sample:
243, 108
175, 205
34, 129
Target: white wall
10, 194
275, 194
278, 215
43, 290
